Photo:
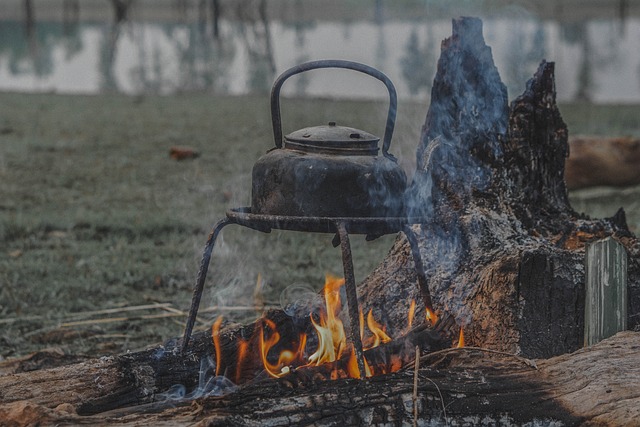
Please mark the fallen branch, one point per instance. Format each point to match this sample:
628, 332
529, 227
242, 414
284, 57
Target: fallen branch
528, 362
598, 161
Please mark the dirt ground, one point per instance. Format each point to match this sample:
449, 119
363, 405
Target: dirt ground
101, 231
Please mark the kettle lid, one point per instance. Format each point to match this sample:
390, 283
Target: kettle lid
333, 139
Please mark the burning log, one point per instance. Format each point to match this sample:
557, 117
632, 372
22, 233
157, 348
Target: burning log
454, 386
283, 341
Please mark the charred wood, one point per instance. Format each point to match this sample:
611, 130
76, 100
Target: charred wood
593, 386
131, 380
504, 251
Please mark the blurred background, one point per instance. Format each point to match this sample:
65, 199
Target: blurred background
239, 46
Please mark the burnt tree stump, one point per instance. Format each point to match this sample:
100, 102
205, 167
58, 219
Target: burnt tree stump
504, 251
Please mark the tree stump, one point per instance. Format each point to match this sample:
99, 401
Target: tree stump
504, 250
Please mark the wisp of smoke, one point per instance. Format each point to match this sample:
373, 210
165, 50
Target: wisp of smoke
208, 384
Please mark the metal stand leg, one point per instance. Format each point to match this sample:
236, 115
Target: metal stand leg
352, 296
202, 275
417, 260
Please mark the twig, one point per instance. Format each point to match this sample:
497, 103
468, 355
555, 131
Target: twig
416, 366
120, 309
529, 362
444, 409
91, 313
183, 314
237, 308
18, 319
171, 309
118, 319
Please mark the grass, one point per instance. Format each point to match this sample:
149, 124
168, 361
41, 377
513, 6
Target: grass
605, 120
94, 214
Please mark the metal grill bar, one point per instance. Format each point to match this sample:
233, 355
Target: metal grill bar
352, 296
202, 275
342, 227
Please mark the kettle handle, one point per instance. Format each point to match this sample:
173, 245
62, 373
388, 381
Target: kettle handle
334, 63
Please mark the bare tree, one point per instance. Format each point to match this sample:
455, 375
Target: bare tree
121, 9
29, 18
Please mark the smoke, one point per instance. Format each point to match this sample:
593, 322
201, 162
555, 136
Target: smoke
385, 186
465, 123
208, 385
298, 300
458, 158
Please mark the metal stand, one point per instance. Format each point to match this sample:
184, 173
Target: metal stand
202, 275
341, 227
352, 296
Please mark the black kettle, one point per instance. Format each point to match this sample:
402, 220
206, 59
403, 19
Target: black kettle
329, 170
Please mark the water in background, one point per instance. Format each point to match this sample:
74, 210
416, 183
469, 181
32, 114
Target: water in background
240, 50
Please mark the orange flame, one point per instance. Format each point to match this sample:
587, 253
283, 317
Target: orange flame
352, 366
431, 316
215, 333
412, 313
285, 358
461, 339
332, 339
242, 353
379, 335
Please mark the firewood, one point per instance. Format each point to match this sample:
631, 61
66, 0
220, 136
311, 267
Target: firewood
578, 388
600, 161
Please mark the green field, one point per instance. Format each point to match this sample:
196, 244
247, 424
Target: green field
95, 215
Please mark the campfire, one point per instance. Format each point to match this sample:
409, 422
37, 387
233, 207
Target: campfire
295, 187
489, 233
325, 346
